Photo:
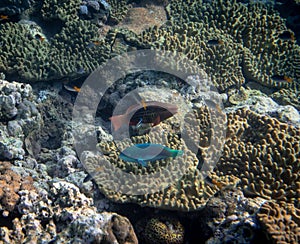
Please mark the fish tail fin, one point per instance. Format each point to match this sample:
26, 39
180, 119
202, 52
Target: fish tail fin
117, 121
179, 153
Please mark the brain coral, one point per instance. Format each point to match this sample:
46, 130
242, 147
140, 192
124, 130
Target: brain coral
163, 230
281, 224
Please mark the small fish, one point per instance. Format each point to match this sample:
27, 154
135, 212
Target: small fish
91, 176
282, 78
72, 88
144, 104
214, 182
93, 44
153, 153
150, 112
40, 37
4, 17
287, 35
215, 42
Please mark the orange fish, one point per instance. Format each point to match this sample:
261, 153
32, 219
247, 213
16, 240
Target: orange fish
76, 88
282, 78
214, 182
40, 37
4, 17
151, 112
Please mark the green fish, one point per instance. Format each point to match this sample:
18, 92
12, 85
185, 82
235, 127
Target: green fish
148, 152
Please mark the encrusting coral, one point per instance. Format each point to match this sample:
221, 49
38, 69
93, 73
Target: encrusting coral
280, 223
11, 183
264, 154
230, 40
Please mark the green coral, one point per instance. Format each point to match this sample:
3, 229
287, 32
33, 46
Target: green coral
249, 45
118, 10
64, 10
67, 54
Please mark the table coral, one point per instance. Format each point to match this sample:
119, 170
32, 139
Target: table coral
280, 223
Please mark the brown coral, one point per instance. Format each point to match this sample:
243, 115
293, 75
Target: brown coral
281, 224
264, 154
163, 230
11, 183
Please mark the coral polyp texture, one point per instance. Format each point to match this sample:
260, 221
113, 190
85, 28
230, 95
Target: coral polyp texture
11, 184
163, 229
280, 223
261, 156
264, 154
230, 40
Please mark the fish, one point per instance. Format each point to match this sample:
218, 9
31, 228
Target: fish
287, 35
72, 88
214, 182
281, 78
151, 112
153, 153
93, 44
4, 17
215, 42
40, 37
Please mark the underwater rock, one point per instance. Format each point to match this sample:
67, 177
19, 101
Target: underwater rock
235, 221
19, 117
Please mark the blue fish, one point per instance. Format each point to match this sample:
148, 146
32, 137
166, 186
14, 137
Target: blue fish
148, 152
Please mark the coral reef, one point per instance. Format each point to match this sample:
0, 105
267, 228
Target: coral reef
162, 230
264, 154
118, 10
281, 223
230, 216
11, 185
60, 10
223, 34
14, 8
19, 118
33, 58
